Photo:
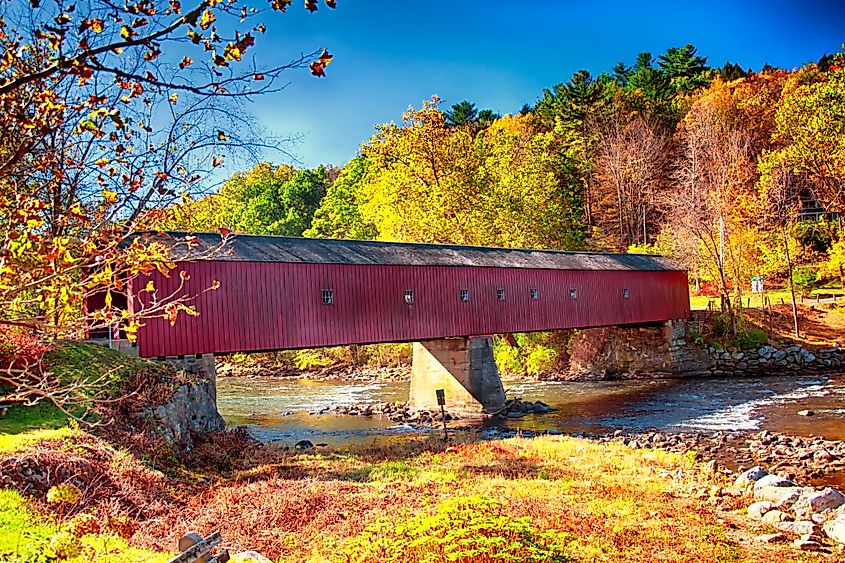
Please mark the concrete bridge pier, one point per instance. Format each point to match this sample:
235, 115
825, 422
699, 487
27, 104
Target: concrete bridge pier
464, 368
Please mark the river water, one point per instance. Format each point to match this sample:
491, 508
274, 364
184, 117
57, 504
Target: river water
277, 409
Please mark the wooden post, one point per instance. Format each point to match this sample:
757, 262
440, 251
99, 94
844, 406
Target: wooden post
769, 315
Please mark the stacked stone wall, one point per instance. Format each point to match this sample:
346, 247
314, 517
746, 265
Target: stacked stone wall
669, 350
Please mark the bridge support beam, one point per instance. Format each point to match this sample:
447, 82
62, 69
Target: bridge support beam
464, 368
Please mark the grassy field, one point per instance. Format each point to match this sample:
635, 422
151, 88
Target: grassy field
775, 297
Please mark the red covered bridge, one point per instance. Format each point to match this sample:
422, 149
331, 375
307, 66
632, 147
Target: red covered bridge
280, 293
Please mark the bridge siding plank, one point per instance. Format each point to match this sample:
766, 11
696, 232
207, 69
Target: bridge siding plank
267, 306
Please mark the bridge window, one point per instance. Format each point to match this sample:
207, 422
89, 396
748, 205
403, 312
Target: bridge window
573, 293
328, 297
500, 294
625, 293
464, 295
535, 293
409, 296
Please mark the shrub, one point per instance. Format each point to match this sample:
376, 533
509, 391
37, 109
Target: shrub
507, 357
751, 338
541, 358
310, 359
19, 349
804, 277
461, 530
696, 337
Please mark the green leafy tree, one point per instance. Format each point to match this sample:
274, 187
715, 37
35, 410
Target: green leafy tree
271, 200
571, 110
731, 71
287, 208
338, 215
465, 113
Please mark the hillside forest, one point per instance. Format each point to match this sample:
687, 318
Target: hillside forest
733, 173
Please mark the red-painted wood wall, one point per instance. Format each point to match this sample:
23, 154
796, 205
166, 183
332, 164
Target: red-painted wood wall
262, 306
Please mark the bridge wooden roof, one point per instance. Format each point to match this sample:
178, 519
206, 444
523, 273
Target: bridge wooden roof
262, 248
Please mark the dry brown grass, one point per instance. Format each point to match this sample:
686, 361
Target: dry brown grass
821, 325
607, 502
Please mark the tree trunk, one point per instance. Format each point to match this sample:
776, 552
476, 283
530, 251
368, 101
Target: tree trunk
791, 283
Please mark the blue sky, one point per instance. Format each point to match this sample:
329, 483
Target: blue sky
390, 54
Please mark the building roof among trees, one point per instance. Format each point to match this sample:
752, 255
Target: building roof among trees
263, 248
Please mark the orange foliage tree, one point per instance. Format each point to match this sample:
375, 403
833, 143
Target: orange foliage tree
105, 118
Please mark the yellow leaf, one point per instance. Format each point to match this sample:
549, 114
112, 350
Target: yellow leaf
207, 19
109, 196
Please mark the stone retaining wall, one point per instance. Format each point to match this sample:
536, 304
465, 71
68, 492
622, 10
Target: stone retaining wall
667, 350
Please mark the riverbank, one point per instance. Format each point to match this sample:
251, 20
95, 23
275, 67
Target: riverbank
552, 498
227, 368
116, 492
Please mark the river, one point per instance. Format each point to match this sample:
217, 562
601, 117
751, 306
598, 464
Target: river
277, 409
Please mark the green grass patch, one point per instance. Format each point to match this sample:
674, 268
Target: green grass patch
75, 362
83, 362
14, 442
827, 292
24, 537
41, 416
394, 471
20, 533
701, 301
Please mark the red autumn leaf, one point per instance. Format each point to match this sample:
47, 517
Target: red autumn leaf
318, 69
224, 232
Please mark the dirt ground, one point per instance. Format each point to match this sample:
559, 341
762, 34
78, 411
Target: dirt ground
820, 325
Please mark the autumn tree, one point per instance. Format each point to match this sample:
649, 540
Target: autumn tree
631, 169
781, 192
109, 112
810, 127
707, 207
428, 182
